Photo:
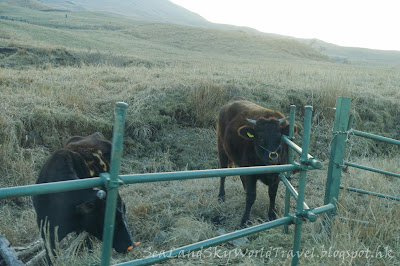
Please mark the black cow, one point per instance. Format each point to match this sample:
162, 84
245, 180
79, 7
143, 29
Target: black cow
250, 135
80, 210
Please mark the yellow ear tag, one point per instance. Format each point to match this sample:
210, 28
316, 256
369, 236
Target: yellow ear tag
250, 135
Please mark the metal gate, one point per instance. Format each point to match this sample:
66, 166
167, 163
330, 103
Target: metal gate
112, 181
341, 131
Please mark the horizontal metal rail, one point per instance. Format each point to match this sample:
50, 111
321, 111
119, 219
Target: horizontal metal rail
53, 187
369, 193
372, 169
374, 137
313, 162
357, 221
183, 175
361, 222
63, 186
209, 242
378, 138
325, 208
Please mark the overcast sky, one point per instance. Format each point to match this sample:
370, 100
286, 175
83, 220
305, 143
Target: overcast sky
368, 23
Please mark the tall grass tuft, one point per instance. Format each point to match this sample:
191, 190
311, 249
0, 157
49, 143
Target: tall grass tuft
206, 100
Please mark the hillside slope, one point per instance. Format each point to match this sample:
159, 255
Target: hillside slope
86, 32
111, 13
355, 55
32, 4
151, 10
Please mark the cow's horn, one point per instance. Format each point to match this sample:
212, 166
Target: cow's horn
251, 121
283, 120
101, 194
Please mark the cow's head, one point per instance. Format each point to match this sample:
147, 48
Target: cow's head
90, 216
266, 137
95, 142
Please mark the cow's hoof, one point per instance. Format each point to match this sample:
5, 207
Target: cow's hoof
272, 216
245, 224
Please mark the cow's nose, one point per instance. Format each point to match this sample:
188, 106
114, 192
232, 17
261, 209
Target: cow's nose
273, 156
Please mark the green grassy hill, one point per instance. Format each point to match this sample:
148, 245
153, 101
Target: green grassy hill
356, 56
31, 4
150, 10
61, 76
89, 32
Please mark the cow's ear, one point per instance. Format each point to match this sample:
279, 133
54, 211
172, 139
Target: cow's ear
106, 149
247, 132
285, 130
85, 208
105, 146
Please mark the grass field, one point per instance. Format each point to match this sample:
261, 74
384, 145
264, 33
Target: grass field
59, 80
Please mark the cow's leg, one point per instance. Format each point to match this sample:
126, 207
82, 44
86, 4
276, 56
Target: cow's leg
221, 194
272, 190
223, 163
243, 179
251, 186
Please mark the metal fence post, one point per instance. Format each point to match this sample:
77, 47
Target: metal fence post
338, 147
112, 182
290, 160
336, 159
302, 184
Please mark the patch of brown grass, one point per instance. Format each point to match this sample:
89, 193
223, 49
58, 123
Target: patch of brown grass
206, 100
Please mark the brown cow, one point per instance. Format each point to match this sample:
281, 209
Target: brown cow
250, 135
80, 210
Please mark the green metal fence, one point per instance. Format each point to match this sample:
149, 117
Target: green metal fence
113, 180
342, 130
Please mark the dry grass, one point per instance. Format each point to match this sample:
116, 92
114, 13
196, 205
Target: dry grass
174, 90
206, 101
170, 126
